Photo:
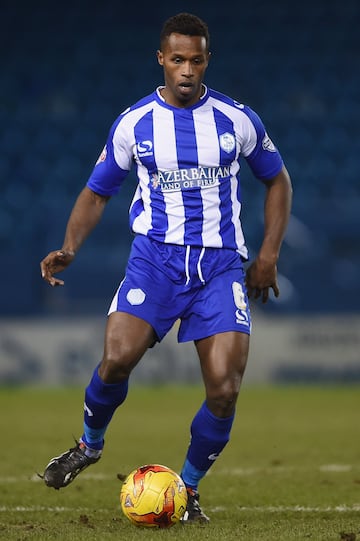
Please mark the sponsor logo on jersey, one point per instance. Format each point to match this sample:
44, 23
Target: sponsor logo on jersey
227, 142
187, 179
239, 105
144, 148
267, 144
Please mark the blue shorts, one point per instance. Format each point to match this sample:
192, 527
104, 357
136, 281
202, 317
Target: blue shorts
202, 287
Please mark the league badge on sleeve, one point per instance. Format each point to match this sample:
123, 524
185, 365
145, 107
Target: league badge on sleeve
267, 144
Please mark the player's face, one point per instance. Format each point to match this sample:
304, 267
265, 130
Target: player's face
184, 59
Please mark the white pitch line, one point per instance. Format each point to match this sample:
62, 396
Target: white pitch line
258, 509
302, 509
36, 479
241, 472
41, 508
245, 472
336, 468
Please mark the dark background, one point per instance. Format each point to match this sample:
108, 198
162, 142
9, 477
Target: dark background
69, 68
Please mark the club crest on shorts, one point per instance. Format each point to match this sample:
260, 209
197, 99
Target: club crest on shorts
135, 296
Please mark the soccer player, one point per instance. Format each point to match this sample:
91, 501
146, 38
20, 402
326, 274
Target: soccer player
186, 261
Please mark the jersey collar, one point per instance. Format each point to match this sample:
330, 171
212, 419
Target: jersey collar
201, 101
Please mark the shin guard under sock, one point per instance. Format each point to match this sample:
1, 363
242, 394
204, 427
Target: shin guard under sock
101, 401
209, 435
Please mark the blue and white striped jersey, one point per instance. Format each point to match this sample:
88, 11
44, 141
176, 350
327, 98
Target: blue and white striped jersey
188, 165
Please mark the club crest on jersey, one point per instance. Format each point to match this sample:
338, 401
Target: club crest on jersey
102, 156
227, 142
267, 144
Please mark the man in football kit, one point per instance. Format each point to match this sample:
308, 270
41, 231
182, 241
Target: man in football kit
186, 260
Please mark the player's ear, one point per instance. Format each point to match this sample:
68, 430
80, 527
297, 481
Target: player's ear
160, 57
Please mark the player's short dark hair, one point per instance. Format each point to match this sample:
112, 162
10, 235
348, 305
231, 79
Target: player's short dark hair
186, 24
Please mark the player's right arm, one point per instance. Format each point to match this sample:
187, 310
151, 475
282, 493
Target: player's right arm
110, 171
84, 216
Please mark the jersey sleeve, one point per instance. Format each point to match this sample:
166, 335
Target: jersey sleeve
113, 164
262, 156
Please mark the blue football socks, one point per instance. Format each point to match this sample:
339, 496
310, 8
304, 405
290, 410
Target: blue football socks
101, 401
209, 435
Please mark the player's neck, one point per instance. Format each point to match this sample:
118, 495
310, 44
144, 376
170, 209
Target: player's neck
170, 100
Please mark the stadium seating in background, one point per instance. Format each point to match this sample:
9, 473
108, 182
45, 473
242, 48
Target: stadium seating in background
68, 74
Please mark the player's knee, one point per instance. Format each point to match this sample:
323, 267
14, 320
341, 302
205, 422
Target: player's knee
222, 401
116, 367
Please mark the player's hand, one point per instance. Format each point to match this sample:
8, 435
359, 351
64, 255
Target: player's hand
260, 277
53, 263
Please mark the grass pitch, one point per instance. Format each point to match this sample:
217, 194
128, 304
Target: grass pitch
290, 472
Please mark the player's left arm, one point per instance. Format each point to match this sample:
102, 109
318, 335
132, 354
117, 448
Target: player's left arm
262, 273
